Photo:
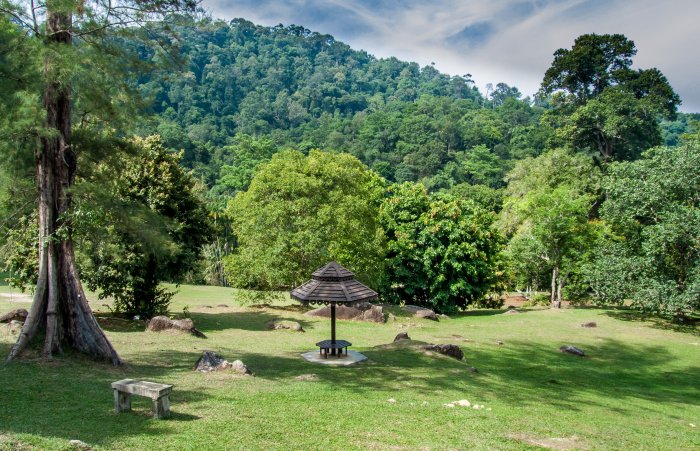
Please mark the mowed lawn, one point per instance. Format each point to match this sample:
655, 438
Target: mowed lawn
637, 388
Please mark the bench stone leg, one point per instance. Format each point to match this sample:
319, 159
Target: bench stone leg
161, 407
122, 401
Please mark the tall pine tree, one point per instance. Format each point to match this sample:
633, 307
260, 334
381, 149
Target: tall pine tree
64, 35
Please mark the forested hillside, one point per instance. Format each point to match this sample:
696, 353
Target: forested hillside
287, 86
306, 90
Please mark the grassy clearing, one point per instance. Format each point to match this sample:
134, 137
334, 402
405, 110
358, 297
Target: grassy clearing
638, 389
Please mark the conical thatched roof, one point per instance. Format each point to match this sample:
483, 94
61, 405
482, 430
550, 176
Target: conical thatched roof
333, 283
332, 272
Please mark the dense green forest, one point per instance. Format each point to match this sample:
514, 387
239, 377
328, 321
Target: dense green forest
305, 90
305, 150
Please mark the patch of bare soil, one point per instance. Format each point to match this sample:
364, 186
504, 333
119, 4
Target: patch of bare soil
559, 443
7, 442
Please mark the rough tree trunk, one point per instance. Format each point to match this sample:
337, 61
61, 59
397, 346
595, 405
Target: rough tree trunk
59, 306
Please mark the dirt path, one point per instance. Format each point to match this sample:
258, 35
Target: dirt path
16, 297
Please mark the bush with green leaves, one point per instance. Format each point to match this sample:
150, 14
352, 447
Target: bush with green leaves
653, 207
145, 224
443, 252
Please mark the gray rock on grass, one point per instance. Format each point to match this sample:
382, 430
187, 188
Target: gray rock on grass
569, 349
160, 323
427, 314
307, 377
79, 444
284, 324
421, 312
449, 350
401, 336
19, 314
375, 314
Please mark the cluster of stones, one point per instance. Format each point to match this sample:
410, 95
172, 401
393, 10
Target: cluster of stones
211, 361
465, 403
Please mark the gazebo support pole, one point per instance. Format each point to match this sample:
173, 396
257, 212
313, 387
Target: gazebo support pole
333, 350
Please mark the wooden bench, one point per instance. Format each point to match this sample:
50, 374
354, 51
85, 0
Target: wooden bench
329, 345
157, 392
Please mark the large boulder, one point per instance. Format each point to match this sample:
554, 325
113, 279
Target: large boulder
19, 314
375, 314
341, 312
421, 312
453, 351
360, 312
426, 314
160, 323
401, 336
284, 324
211, 361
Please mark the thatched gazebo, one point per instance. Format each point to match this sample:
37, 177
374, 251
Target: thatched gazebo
332, 285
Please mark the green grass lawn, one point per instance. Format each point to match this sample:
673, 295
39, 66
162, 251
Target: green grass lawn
638, 388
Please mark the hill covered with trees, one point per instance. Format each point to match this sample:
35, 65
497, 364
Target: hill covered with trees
306, 90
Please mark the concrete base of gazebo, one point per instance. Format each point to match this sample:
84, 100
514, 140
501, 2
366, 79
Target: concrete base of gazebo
352, 357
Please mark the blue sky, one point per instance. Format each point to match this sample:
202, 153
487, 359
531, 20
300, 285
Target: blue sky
509, 41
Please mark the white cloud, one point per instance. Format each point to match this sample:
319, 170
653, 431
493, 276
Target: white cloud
516, 38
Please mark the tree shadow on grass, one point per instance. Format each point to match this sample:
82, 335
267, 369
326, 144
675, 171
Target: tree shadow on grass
493, 312
524, 373
690, 326
532, 373
70, 397
112, 323
255, 321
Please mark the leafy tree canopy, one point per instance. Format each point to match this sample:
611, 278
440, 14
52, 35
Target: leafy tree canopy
602, 106
301, 212
152, 229
591, 65
653, 206
442, 250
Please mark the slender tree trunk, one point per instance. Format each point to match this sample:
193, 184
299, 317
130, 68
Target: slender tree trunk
555, 297
59, 306
560, 287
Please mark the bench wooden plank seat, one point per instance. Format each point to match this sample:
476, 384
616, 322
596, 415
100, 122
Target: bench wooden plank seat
159, 393
329, 345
